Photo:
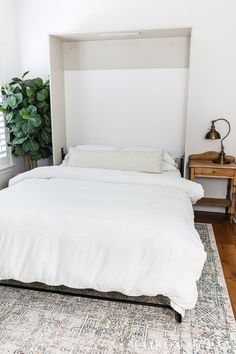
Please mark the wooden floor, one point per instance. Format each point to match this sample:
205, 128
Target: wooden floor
225, 234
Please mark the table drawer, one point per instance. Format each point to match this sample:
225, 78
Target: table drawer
214, 172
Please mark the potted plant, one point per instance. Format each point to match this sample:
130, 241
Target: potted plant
26, 107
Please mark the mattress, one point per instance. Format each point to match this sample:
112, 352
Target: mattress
107, 230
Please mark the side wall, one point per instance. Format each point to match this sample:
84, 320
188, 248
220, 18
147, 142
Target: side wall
58, 96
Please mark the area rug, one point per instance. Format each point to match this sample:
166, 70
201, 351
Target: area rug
33, 322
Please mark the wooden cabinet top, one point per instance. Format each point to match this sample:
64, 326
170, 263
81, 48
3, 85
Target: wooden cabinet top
211, 164
206, 160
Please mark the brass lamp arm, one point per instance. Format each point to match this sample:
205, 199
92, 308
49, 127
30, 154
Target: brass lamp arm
216, 120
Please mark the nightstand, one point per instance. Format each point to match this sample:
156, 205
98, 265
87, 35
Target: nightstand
202, 165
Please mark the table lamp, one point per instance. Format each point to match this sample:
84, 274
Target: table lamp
213, 134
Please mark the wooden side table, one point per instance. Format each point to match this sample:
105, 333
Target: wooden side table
202, 165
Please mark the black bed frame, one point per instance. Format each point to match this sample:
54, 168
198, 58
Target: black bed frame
178, 316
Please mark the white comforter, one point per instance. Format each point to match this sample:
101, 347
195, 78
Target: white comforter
108, 230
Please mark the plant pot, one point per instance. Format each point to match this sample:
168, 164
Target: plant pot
45, 162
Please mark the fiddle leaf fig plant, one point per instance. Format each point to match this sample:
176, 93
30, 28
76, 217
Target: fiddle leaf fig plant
26, 107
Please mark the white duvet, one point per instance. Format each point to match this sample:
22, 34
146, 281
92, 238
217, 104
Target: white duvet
108, 230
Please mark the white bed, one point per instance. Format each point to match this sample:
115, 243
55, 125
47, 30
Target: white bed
108, 230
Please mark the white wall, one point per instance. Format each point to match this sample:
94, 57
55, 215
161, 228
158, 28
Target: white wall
127, 107
212, 83
9, 53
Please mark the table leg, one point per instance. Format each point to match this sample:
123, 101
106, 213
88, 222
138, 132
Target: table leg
192, 174
232, 208
229, 193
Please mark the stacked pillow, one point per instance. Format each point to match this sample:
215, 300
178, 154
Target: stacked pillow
142, 159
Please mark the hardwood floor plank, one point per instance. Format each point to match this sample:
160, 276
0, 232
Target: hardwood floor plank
231, 285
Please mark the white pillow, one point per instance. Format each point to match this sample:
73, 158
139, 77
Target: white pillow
142, 161
88, 148
168, 162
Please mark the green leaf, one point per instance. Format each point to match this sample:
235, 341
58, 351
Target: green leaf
48, 129
25, 114
16, 79
17, 89
25, 128
47, 121
43, 107
5, 104
29, 92
20, 134
12, 101
9, 117
36, 121
38, 81
15, 128
31, 100
28, 127
19, 97
27, 72
45, 136
17, 117
33, 146
18, 141
29, 83
41, 96
18, 151
45, 153
32, 110
8, 89
25, 147
2, 110
35, 156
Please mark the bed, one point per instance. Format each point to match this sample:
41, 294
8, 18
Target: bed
130, 232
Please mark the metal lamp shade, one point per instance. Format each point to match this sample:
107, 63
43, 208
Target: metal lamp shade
213, 134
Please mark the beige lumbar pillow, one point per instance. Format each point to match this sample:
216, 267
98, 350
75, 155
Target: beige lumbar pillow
142, 161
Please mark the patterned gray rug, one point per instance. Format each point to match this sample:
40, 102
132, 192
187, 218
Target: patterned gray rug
33, 322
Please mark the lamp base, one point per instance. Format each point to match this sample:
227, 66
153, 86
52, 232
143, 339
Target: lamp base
222, 162
221, 159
